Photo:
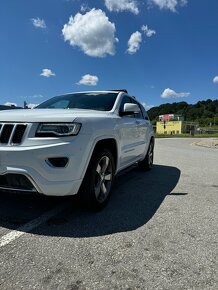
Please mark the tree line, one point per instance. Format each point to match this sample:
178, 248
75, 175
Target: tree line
203, 112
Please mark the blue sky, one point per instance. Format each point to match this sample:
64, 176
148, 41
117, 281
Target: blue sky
160, 50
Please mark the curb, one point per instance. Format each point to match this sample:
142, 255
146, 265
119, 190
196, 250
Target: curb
212, 143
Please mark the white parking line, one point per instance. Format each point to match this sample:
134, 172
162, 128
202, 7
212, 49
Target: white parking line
28, 227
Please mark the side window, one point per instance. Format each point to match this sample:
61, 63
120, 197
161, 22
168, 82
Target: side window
145, 114
140, 114
125, 100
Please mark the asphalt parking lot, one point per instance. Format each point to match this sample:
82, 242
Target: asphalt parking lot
159, 230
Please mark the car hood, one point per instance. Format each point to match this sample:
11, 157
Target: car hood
48, 115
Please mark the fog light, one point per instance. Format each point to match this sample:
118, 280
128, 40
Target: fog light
57, 161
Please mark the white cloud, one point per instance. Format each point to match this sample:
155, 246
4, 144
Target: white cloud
215, 80
10, 104
38, 23
134, 42
122, 5
169, 93
147, 31
92, 32
147, 107
84, 7
169, 4
47, 73
88, 80
31, 106
183, 2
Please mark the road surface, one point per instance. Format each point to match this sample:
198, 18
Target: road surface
159, 230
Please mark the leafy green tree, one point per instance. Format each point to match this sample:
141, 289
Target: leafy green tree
205, 112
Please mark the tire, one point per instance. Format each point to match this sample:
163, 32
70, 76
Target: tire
96, 187
147, 163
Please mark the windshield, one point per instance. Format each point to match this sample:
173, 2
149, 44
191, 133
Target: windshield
88, 101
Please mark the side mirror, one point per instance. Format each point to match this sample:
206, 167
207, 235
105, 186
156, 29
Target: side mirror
130, 109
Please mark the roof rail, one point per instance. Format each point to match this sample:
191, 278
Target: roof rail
120, 90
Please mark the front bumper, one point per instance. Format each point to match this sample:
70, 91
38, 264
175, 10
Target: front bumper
25, 168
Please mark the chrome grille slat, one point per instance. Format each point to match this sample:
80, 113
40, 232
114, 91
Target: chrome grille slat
19, 133
12, 133
5, 134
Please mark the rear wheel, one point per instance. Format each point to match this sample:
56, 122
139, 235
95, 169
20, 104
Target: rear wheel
147, 163
96, 187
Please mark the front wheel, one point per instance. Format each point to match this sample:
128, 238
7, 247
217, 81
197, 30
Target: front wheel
96, 187
147, 163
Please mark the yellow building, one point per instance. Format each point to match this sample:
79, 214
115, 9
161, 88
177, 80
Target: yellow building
169, 127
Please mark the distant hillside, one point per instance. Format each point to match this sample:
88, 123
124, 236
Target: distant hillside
204, 112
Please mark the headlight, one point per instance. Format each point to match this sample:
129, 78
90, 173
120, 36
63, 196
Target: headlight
57, 129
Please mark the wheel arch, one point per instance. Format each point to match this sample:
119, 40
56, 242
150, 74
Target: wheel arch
110, 144
152, 139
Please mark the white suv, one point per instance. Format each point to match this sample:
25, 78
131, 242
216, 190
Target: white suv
74, 143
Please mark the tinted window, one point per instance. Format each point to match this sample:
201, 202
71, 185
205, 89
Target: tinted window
89, 101
139, 115
145, 115
125, 100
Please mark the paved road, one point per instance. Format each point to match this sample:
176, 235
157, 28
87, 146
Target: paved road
158, 232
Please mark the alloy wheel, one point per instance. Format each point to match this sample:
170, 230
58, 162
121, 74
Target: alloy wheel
151, 155
103, 179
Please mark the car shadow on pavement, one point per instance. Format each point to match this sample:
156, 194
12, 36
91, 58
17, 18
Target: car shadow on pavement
136, 198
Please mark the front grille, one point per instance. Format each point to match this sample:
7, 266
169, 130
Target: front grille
12, 134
